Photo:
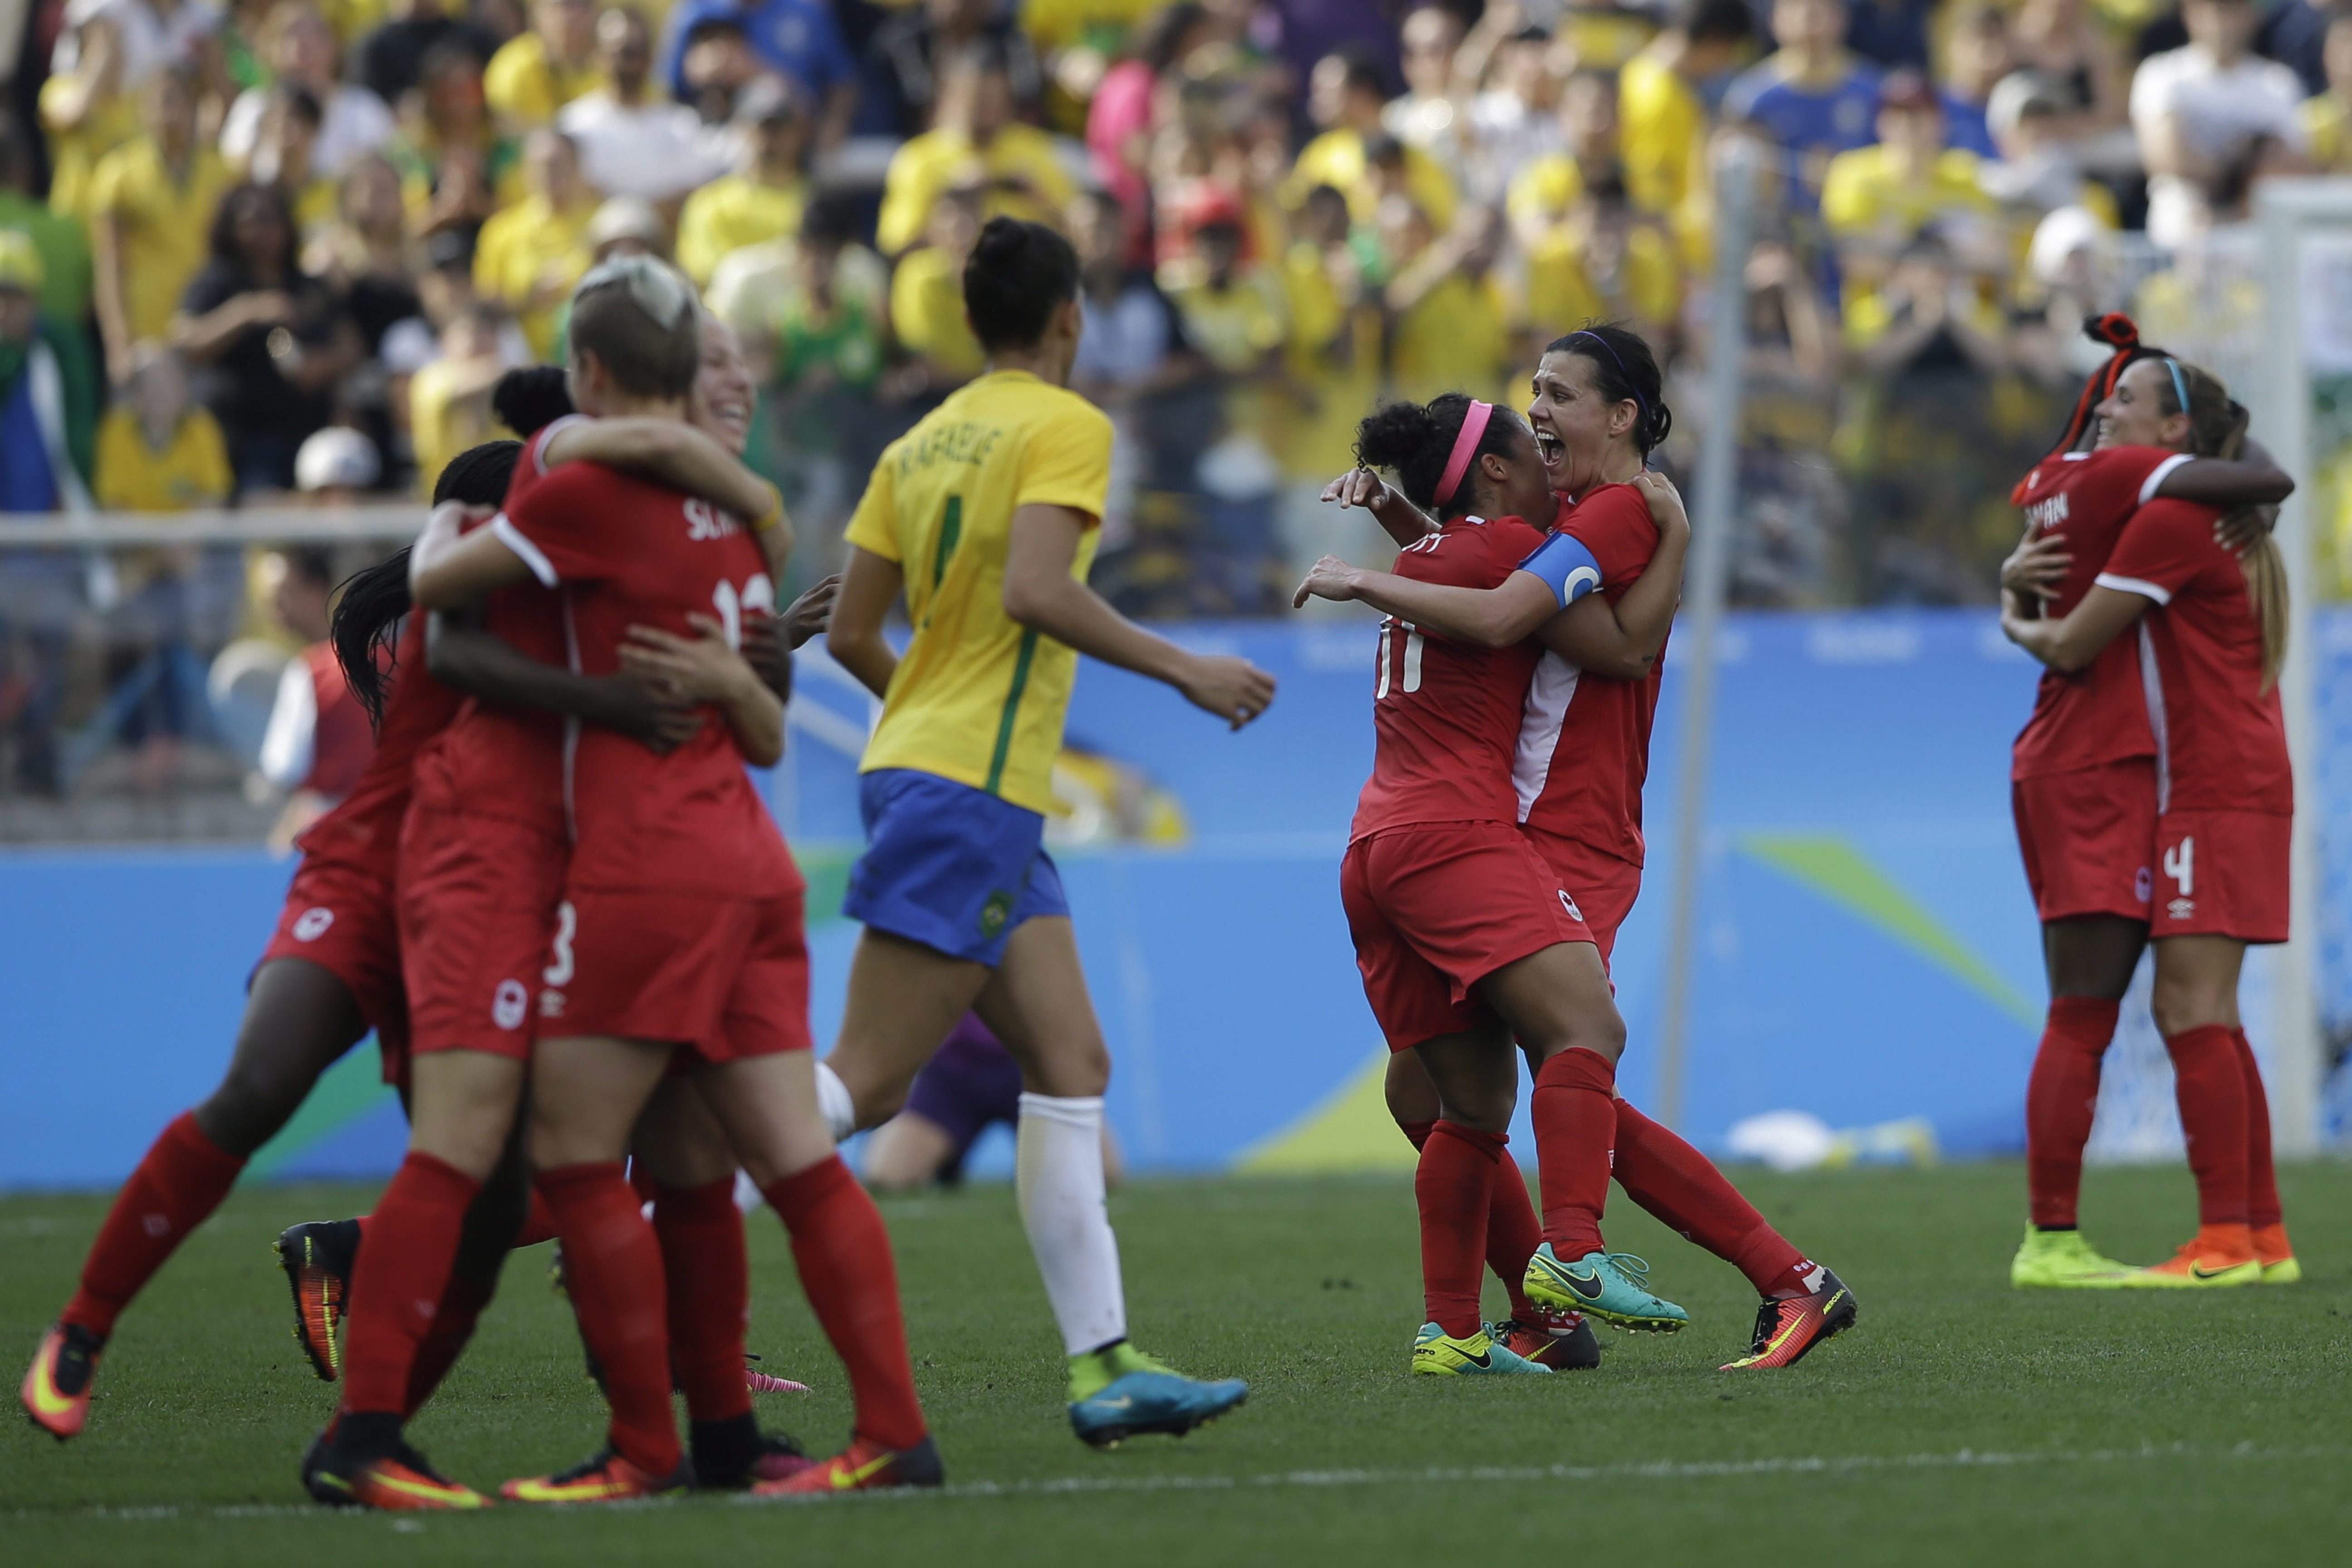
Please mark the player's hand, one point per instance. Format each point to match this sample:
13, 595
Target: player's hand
700, 668
647, 712
1358, 486
808, 615
768, 651
2037, 565
1329, 578
1234, 690
1666, 508
2240, 530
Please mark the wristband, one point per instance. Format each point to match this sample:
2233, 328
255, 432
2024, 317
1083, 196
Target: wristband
775, 513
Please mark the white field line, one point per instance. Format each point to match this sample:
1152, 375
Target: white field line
1641, 1470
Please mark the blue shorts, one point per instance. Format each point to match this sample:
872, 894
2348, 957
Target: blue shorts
953, 868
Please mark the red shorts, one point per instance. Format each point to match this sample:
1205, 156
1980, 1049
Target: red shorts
2223, 873
477, 902
342, 918
725, 978
1602, 886
2086, 836
1434, 909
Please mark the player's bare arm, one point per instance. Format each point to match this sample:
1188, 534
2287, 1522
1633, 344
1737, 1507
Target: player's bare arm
448, 570
1399, 518
2072, 643
682, 456
1041, 594
1490, 617
855, 638
705, 669
460, 654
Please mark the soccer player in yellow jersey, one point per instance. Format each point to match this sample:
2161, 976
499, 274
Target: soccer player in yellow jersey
985, 517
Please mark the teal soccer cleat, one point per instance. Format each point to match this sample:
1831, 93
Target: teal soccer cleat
1145, 1397
1611, 1285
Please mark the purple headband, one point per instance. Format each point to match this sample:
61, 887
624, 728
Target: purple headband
1641, 401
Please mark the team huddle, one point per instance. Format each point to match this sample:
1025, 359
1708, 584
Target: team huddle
558, 901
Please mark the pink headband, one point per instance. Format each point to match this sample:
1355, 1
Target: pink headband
1465, 447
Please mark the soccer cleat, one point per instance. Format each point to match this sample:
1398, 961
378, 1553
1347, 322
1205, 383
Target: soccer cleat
1436, 1353
1787, 1329
602, 1477
759, 1381
864, 1466
2276, 1256
2062, 1261
1575, 1349
398, 1482
57, 1385
316, 1256
1141, 1396
2219, 1257
1611, 1285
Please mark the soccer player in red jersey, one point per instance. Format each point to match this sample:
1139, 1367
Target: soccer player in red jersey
1579, 766
2212, 628
680, 932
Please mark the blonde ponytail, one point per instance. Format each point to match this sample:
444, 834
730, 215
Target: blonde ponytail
2265, 569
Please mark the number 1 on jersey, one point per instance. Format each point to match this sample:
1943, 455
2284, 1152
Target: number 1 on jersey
1408, 646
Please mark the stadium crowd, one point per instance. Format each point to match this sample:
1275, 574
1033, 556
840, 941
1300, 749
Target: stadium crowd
283, 248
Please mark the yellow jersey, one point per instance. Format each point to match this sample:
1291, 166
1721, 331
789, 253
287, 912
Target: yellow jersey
1661, 134
526, 85
1020, 166
2325, 118
522, 245
1456, 338
731, 212
164, 225
189, 470
1336, 159
978, 698
926, 310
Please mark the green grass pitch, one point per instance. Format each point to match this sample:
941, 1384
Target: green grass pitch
1962, 1422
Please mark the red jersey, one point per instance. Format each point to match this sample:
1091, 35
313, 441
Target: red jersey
1583, 746
2220, 740
1444, 715
623, 551
341, 740
2097, 715
363, 832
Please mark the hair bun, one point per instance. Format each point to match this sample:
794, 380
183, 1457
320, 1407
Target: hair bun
2115, 329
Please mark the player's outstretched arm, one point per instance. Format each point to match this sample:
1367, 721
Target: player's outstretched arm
1041, 594
1491, 617
855, 637
682, 456
2252, 479
2072, 643
474, 661
1623, 641
1399, 518
704, 668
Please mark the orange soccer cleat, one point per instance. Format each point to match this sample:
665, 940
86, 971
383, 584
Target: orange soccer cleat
57, 1385
2220, 1255
2276, 1256
603, 1477
864, 1466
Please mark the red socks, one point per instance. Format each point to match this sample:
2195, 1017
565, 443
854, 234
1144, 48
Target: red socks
537, 1222
843, 1257
615, 1267
1674, 1181
2060, 1097
1575, 1112
1454, 1189
453, 1325
400, 1279
701, 1235
2211, 1086
180, 1181
2261, 1178
1512, 1232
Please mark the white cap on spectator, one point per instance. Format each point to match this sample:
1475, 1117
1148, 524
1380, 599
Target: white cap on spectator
2058, 236
338, 458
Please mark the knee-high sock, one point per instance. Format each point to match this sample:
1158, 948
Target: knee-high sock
400, 1280
2212, 1091
2060, 1097
453, 1324
1574, 1108
709, 1274
1453, 1189
1059, 1180
2261, 1177
1513, 1232
1671, 1180
852, 1283
182, 1179
614, 1267
538, 1223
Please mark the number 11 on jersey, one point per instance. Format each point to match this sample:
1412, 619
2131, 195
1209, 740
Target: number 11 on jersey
1408, 649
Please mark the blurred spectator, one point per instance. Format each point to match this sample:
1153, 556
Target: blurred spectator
1545, 189
1515, 120
2039, 169
57, 240
2210, 117
1428, 116
1131, 345
1018, 165
2063, 40
284, 158
798, 38
449, 399
158, 449
319, 739
456, 166
336, 464
633, 144
364, 255
1978, 54
151, 204
720, 67
538, 70
1344, 97
622, 226
1334, 351
1890, 34
1452, 330
764, 202
1875, 201
1118, 119
2294, 34
927, 293
1811, 96
1608, 262
85, 114
531, 254
301, 51
829, 324
134, 38
2328, 117
1661, 102
391, 59
269, 341
904, 57
1232, 308
48, 397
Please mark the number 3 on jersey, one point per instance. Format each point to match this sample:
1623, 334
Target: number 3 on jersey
1405, 667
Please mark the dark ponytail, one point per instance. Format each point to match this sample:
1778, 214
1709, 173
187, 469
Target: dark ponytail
529, 399
1413, 442
1625, 371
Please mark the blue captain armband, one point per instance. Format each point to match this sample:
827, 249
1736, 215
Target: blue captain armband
1566, 566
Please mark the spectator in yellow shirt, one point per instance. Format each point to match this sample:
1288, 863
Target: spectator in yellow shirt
1604, 35
531, 254
158, 449
544, 66
765, 202
1877, 200
1451, 328
449, 399
285, 157
1018, 163
1661, 118
1546, 188
927, 293
1232, 309
88, 109
2328, 117
151, 204
1334, 349
1609, 262
1344, 96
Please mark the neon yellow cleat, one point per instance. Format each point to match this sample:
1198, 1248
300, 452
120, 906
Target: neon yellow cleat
1436, 1353
2062, 1261
2276, 1255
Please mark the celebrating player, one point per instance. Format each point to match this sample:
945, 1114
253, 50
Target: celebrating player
984, 516
2152, 760
1577, 770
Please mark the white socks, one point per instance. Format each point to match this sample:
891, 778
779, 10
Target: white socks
833, 1101
1059, 1183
